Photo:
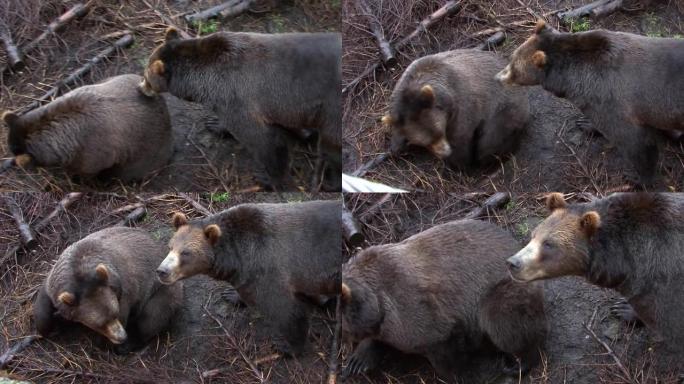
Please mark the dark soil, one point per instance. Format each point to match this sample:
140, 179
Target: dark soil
570, 355
556, 154
206, 157
196, 349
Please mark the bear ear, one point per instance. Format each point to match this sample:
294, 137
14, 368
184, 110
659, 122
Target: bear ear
212, 232
67, 298
427, 96
346, 293
10, 118
171, 34
555, 201
387, 120
590, 223
102, 273
540, 27
539, 59
178, 220
157, 67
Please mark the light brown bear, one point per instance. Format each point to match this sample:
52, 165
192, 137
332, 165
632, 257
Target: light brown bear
109, 129
630, 242
629, 86
443, 293
450, 104
106, 282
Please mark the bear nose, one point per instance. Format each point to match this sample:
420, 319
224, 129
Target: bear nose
162, 273
514, 263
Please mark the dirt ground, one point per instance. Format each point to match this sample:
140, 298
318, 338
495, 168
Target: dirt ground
196, 349
205, 158
570, 355
555, 154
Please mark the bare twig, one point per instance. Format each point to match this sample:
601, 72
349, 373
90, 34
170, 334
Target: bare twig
386, 51
132, 217
167, 20
333, 365
495, 201
372, 163
227, 9
351, 230
492, 41
194, 203
27, 237
14, 57
580, 163
9, 354
588, 326
596, 9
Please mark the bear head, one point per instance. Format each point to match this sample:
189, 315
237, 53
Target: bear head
417, 119
191, 250
94, 302
559, 245
528, 61
362, 312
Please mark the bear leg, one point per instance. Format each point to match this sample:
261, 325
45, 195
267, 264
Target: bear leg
366, 358
44, 313
445, 360
291, 325
639, 147
154, 318
624, 311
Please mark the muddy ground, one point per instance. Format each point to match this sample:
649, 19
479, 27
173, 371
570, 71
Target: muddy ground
555, 154
196, 349
206, 157
570, 355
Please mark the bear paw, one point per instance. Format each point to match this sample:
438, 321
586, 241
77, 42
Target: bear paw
362, 361
624, 311
232, 296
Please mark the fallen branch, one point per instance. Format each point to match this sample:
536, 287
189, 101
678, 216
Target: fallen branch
121, 43
372, 163
588, 326
351, 230
255, 370
492, 41
194, 203
9, 354
335, 347
386, 51
14, 57
596, 9
494, 202
227, 9
132, 217
449, 8
28, 240
167, 20
385, 198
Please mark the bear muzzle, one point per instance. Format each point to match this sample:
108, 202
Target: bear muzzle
505, 76
166, 272
441, 149
146, 88
115, 332
524, 265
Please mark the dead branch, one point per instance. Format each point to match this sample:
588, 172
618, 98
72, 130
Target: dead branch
14, 57
588, 326
449, 8
167, 20
351, 230
255, 370
9, 354
28, 240
194, 203
596, 9
121, 43
386, 51
227, 9
77, 11
529, 10
372, 163
335, 347
492, 41
494, 202
385, 198
132, 217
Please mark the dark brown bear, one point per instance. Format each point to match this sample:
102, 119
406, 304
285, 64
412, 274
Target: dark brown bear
443, 293
629, 86
261, 86
108, 129
450, 104
106, 281
633, 243
279, 258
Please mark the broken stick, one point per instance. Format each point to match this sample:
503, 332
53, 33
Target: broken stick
132, 217
335, 347
14, 56
194, 203
495, 201
121, 43
386, 51
594, 10
588, 326
28, 240
9, 354
449, 8
77, 11
227, 9
492, 41
351, 230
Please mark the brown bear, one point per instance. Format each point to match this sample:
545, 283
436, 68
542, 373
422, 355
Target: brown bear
443, 293
279, 257
628, 86
261, 86
106, 282
108, 130
630, 242
450, 104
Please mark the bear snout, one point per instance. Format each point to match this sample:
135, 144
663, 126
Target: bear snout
504, 76
163, 274
115, 332
514, 263
146, 88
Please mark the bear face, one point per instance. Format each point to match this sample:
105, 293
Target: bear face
190, 250
417, 120
528, 61
96, 305
156, 77
559, 245
362, 313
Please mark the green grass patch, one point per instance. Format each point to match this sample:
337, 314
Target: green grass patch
580, 25
220, 197
205, 27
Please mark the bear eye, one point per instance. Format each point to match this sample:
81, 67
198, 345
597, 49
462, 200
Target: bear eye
185, 254
547, 245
